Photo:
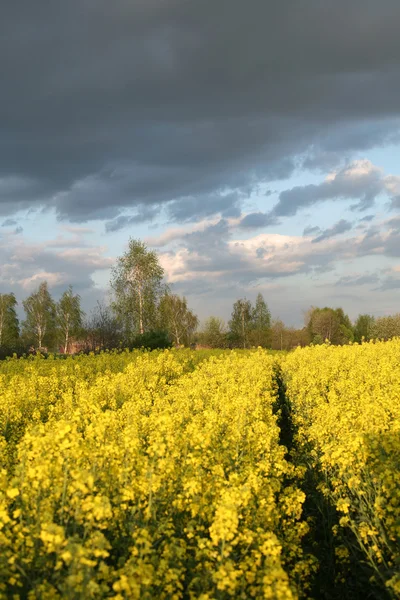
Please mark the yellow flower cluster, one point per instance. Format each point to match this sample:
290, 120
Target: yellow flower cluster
346, 408
140, 475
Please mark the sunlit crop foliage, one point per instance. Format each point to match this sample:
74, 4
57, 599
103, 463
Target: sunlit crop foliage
147, 476
346, 407
194, 474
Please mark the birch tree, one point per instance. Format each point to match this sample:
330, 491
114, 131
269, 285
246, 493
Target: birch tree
278, 331
261, 323
136, 281
386, 328
69, 316
40, 322
241, 322
178, 320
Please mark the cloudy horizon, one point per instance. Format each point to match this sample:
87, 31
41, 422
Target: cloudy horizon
254, 145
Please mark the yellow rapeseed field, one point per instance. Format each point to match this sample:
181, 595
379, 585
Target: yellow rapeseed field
346, 407
165, 475
147, 480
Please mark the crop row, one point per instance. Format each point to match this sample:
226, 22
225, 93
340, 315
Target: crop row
345, 407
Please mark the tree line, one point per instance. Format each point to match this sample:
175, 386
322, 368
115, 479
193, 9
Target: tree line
143, 311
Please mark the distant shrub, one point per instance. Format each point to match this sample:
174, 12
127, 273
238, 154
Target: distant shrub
152, 340
9, 351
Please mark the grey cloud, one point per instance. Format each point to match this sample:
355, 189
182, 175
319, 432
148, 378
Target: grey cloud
210, 254
321, 160
381, 240
9, 223
391, 245
366, 219
371, 243
205, 205
107, 107
20, 192
310, 230
350, 280
394, 224
211, 251
147, 213
256, 220
359, 180
208, 251
389, 283
340, 227
331, 151
211, 241
25, 265
395, 203
197, 287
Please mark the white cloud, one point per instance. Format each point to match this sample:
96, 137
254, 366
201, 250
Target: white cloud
392, 184
90, 257
52, 279
61, 261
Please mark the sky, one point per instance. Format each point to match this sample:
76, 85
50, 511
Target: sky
254, 145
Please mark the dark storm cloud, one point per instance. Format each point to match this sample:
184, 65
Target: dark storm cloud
340, 227
107, 106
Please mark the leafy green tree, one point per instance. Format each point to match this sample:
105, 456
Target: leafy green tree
137, 284
9, 324
363, 328
329, 324
152, 340
40, 323
260, 334
213, 333
345, 327
177, 319
240, 323
69, 316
